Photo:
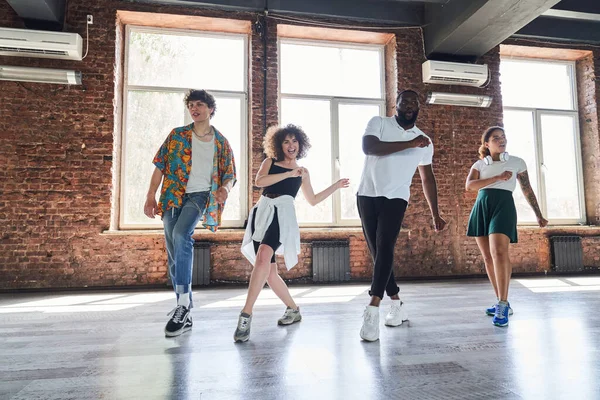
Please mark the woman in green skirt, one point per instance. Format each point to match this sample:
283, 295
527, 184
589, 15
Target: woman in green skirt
493, 220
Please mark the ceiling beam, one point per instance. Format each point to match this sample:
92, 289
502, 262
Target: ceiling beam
45, 10
40, 14
472, 28
396, 13
560, 29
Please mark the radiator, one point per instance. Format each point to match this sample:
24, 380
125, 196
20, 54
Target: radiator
331, 261
201, 271
567, 253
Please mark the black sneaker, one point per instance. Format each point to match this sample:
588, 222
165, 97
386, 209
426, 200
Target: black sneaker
180, 322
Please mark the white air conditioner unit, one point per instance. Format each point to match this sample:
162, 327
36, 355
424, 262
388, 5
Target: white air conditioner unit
457, 99
449, 73
43, 44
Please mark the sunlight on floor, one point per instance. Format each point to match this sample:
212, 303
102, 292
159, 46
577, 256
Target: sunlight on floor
558, 285
87, 303
317, 296
115, 302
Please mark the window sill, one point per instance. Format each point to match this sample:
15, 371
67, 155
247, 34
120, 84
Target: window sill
228, 231
582, 230
564, 226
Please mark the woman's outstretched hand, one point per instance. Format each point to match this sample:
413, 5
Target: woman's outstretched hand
342, 183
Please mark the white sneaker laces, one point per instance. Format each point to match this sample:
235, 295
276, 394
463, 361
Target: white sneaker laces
177, 314
369, 317
395, 309
500, 309
244, 323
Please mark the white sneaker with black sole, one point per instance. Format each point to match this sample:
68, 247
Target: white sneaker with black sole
180, 322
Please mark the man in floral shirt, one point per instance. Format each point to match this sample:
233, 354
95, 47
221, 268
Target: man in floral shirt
196, 166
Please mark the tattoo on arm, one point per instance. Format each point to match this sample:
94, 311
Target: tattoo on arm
528, 192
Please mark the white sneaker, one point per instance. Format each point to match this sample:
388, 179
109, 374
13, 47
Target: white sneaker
397, 314
370, 328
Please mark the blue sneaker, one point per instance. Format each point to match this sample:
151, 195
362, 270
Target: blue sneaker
492, 310
501, 316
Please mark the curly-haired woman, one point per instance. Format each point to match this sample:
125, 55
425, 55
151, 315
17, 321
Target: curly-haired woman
272, 225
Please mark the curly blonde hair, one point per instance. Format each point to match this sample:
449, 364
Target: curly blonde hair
484, 151
272, 143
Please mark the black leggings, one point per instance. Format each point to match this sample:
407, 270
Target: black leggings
381, 220
271, 237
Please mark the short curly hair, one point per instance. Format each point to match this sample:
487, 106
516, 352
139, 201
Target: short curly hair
275, 136
203, 96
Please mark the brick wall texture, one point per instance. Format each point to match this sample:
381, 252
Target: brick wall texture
56, 193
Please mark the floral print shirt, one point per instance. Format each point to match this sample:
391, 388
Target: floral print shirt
174, 160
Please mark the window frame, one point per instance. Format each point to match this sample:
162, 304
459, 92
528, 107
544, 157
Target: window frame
538, 143
241, 163
334, 102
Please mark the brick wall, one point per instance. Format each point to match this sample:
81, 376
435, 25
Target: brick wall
59, 159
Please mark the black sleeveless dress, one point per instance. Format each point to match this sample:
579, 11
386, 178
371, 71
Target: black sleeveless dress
289, 186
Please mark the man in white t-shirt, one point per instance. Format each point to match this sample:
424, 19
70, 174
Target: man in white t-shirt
394, 148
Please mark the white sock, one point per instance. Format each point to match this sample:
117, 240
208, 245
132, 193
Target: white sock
184, 300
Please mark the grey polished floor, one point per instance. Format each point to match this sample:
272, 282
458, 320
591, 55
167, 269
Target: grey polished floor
111, 345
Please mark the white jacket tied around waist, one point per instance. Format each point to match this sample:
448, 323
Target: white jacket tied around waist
289, 233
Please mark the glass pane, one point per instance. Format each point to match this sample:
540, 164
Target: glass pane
353, 119
228, 121
186, 61
315, 119
560, 166
331, 71
520, 136
150, 118
536, 84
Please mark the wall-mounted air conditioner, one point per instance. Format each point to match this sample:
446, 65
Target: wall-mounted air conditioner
449, 73
457, 99
43, 44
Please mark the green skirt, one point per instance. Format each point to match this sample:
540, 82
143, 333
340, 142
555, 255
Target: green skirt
493, 212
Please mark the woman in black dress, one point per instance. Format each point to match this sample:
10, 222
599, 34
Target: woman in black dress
272, 225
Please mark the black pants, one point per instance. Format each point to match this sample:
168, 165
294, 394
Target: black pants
381, 220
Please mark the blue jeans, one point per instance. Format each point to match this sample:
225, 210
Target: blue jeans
179, 227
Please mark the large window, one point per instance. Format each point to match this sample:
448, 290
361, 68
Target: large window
541, 121
331, 90
161, 65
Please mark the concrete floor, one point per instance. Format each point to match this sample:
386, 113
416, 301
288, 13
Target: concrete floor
111, 345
